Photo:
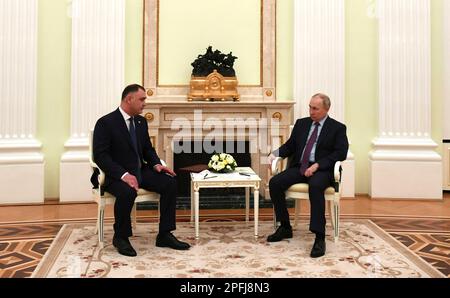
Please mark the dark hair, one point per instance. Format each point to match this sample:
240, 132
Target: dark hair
130, 89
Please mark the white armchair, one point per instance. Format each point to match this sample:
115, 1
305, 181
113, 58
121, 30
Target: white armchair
299, 191
106, 198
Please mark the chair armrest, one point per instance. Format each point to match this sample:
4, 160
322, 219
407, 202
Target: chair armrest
101, 175
337, 176
276, 165
163, 163
337, 172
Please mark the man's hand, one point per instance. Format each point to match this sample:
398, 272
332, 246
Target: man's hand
271, 158
311, 170
131, 181
160, 168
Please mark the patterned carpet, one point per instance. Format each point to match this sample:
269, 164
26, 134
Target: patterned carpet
22, 245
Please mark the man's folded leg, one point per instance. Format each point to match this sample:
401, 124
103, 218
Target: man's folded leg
123, 205
166, 186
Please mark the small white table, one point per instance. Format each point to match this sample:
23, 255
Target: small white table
234, 179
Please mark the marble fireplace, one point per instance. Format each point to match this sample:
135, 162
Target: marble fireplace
262, 125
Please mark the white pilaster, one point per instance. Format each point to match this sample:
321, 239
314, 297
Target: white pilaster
403, 162
21, 160
319, 64
98, 58
446, 110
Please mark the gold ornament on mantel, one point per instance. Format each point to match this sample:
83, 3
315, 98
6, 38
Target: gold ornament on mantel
213, 87
213, 77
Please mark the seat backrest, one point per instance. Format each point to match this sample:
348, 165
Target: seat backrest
94, 166
91, 149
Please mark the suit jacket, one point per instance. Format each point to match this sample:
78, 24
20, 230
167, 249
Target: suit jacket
113, 150
331, 146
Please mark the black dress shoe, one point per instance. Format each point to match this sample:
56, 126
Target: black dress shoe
318, 249
169, 240
124, 247
281, 233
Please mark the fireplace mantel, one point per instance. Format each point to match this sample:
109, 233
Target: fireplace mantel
270, 118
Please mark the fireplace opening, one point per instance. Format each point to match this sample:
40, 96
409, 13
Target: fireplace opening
190, 160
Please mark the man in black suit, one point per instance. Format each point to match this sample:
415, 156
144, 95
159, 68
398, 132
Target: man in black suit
315, 144
123, 150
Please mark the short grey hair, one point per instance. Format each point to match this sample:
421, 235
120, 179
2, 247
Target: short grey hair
325, 100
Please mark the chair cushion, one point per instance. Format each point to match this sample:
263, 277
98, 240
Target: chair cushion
303, 187
143, 195
142, 191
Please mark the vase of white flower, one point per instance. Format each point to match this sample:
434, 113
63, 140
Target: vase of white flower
222, 163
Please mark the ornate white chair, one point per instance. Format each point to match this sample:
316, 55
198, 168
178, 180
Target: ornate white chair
106, 198
299, 191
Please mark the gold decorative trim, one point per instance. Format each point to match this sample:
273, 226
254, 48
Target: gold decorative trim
269, 93
150, 117
150, 93
277, 115
214, 86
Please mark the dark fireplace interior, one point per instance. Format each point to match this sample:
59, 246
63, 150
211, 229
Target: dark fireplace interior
210, 198
187, 162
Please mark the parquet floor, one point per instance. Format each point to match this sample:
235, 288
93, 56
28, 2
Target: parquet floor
26, 232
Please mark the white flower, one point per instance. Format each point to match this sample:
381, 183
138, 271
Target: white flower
222, 162
229, 159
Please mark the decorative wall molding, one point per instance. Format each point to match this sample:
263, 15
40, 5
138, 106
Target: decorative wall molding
446, 58
405, 68
98, 59
319, 64
265, 92
18, 61
446, 110
404, 148
319, 54
20, 151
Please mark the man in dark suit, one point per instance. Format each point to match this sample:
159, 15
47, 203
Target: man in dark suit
123, 150
315, 144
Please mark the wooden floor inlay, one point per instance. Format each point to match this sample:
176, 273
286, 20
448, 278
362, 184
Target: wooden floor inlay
22, 245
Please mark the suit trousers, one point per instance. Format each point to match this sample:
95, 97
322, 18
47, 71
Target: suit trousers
160, 183
317, 185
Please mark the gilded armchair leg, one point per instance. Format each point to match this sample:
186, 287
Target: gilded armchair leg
134, 215
336, 223
256, 210
192, 202
100, 219
247, 204
332, 214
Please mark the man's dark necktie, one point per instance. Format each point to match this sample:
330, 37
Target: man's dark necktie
135, 146
308, 148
